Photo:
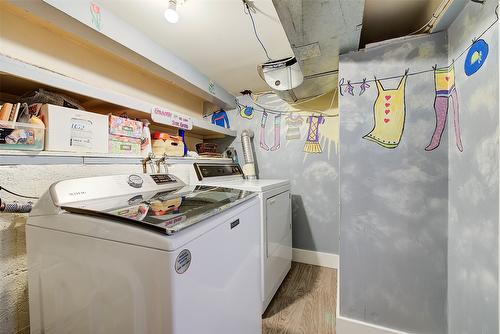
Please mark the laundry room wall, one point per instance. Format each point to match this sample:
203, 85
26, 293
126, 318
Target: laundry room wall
394, 201
313, 175
473, 174
31, 180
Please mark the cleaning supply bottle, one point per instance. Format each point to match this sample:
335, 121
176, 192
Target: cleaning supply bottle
146, 139
182, 133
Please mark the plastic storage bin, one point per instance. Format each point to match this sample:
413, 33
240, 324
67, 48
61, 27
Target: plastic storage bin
21, 136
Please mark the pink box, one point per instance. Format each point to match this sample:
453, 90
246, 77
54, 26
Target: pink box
125, 127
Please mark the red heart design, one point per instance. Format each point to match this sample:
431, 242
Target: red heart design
447, 78
386, 120
388, 97
387, 111
387, 105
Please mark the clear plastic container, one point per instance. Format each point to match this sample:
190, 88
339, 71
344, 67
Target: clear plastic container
21, 136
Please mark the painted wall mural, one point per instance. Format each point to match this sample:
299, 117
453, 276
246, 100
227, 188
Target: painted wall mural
388, 128
444, 79
293, 122
315, 112
312, 144
246, 112
389, 115
220, 118
276, 134
394, 202
419, 228
476, 57
473, 222
313, 176
95, 12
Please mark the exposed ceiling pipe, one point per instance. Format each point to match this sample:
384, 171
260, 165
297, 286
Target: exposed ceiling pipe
318, 31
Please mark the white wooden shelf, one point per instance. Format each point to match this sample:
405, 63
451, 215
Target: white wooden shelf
20, 76
15, 157
125, 41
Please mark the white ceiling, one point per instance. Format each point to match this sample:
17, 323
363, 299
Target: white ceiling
215, 36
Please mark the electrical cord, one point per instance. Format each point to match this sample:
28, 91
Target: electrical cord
16, 194
245, 4
430, 24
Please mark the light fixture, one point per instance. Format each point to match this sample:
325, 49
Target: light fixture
171, 14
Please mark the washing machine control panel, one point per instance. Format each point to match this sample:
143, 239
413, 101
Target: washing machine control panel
92, 188
162, 178
205, 171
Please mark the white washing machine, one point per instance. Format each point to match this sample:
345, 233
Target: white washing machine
144, 254
275, 212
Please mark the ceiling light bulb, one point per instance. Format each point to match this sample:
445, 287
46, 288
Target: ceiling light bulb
171, 14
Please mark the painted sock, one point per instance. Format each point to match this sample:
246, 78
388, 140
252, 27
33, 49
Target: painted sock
277, 133
456, 119
263, 121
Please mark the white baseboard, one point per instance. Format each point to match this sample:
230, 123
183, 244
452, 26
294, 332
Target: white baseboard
351, 326
344, 325
316, 258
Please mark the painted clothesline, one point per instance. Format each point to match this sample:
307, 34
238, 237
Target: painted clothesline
268, 110
278, 112
293, 121
364, 81
291, 112
311, 145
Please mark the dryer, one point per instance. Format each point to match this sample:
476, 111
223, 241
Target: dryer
275, 216
144, 254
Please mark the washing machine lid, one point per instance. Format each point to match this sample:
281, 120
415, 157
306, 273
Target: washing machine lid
166, 212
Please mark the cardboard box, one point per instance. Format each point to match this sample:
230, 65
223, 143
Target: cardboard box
124, 145
164, 143
73, 130
125, 127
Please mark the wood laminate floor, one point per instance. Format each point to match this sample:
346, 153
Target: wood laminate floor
305, 303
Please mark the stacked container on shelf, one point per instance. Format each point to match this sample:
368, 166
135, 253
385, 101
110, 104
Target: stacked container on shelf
167, 144
19, 130
74, 130
125, 135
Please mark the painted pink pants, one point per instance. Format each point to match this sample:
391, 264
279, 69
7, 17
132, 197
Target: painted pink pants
441, 110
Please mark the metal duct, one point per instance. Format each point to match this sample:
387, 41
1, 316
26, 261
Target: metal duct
249, 162
318, 31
